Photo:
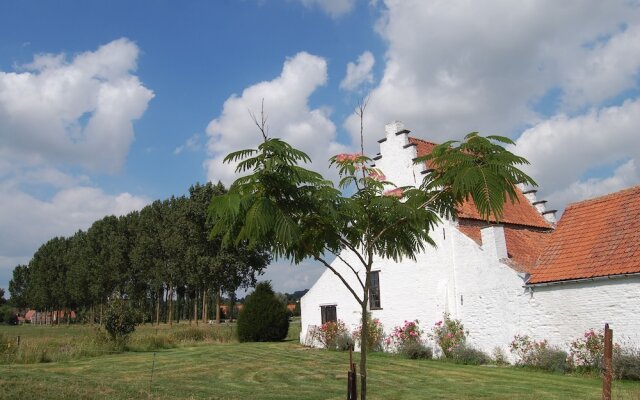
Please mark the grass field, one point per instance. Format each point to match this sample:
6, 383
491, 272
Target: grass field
274, 371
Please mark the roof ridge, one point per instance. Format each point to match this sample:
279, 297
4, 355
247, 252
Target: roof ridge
604, 197
422, 140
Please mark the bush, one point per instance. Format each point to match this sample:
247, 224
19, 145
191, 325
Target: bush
525, 349
626, 363
119, 320
264, 317
8, 315
499, 357
344, 341
448, 334
552, 359
586, 352
538, 354
401, 336
465, 354
416, 350
332, 335
375, 335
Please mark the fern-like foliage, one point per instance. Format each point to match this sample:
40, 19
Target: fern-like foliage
478, 168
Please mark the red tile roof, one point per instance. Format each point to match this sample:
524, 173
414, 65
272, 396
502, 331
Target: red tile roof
594, 238
521, 212
422, 147
524, 245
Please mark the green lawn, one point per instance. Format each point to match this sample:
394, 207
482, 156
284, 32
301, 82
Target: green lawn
279, 371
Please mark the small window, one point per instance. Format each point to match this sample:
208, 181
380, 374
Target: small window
374, 291
328, 314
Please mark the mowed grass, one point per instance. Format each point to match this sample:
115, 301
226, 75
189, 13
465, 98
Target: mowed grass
283, 370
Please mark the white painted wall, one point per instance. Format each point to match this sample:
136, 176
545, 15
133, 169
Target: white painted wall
472, 284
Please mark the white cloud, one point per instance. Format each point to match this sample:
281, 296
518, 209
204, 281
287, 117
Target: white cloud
562, 149
452, 67
359, 72
605, 69
27, 222
626, 175
56, 115
334, 8
77, 112
288, 117
192, 144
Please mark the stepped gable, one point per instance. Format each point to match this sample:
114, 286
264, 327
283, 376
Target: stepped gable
595, 238
526, 231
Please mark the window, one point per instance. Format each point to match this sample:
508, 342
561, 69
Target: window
328, 314
374, 291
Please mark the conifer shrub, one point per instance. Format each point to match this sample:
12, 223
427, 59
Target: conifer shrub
264, 317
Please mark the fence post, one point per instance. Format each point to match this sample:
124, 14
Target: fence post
352, 388
607, 364
18, 341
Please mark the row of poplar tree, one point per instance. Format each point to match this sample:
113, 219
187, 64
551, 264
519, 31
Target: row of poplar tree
161, 258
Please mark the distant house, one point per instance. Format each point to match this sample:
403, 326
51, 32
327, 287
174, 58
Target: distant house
48, 317
521, 276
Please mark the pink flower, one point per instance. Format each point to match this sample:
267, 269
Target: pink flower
449, 335
377, 175
344, 157
397, 192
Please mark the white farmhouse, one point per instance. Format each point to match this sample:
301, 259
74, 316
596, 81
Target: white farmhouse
523, 276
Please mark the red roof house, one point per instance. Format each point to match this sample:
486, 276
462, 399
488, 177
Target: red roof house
595, 238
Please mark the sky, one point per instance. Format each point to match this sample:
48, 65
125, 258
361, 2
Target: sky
107, 106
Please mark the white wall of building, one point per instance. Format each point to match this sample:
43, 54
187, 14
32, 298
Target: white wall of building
471, 283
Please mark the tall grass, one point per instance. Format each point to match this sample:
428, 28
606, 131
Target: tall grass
40, 344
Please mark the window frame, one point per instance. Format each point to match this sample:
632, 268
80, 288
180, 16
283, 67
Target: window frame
324, 316
375, 302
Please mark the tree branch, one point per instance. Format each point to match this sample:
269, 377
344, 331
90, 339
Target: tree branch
262, 125
352, 270
346, 284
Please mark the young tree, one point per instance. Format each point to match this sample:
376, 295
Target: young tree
298, 214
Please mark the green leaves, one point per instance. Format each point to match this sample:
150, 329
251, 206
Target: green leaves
476, 168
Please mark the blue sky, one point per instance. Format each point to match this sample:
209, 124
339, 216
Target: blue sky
105, 106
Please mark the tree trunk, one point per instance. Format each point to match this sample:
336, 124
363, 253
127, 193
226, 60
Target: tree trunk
364, 335
217, 305
204, 306
170, 300
195, 308
158, 307
100, 313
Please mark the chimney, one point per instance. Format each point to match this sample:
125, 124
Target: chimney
494, 242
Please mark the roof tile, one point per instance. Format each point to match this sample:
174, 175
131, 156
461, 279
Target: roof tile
594, 238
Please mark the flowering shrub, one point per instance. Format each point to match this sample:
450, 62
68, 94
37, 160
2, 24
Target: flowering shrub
409, 332
330, 333
539, 354
448, 334
586, 352
525, 349
376, 334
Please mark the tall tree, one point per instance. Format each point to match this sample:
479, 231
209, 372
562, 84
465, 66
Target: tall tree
298, 213
18, 286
